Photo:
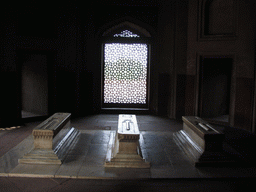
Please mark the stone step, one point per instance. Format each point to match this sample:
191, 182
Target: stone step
40, 161
125, 164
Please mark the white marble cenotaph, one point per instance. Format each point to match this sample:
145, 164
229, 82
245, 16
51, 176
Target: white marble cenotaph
124, 146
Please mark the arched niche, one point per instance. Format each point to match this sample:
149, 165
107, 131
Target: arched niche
218, 18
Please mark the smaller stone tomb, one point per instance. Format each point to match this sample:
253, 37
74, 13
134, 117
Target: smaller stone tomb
124, 146
51, 140
201, 142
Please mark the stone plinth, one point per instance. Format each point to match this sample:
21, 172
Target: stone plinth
45, 132
124, 148
201, 142
44, 151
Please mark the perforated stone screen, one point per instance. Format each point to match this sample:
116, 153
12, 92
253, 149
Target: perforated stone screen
125, 73
126, 33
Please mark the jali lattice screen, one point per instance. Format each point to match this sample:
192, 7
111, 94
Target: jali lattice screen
125, 73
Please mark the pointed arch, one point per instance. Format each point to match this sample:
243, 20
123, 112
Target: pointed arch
127, 25
135, 25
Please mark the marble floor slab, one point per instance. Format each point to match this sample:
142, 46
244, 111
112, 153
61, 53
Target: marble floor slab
10, 159
85, 160
82, 170
28, 170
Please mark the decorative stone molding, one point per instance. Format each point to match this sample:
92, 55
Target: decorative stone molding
128, 138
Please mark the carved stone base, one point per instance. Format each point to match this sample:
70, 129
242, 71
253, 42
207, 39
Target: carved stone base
51, 156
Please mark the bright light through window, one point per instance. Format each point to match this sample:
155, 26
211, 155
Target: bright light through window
125, 73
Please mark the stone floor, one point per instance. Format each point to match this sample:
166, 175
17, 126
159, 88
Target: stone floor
83, 167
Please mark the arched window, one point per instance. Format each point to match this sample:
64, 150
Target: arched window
125, 71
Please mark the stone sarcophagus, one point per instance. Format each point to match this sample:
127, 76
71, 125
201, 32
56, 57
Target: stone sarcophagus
51, 139
44, 133
124, 146
201, 142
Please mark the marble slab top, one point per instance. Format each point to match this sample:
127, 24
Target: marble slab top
127, 124
53, 122
200, 125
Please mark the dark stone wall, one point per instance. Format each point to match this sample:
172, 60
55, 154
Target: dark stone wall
172, 53
34, 84
35, 28
237, 42
10, 103
244, 102
215, 84
181, 95
190, 104
71, 32
163, 93
70, 35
